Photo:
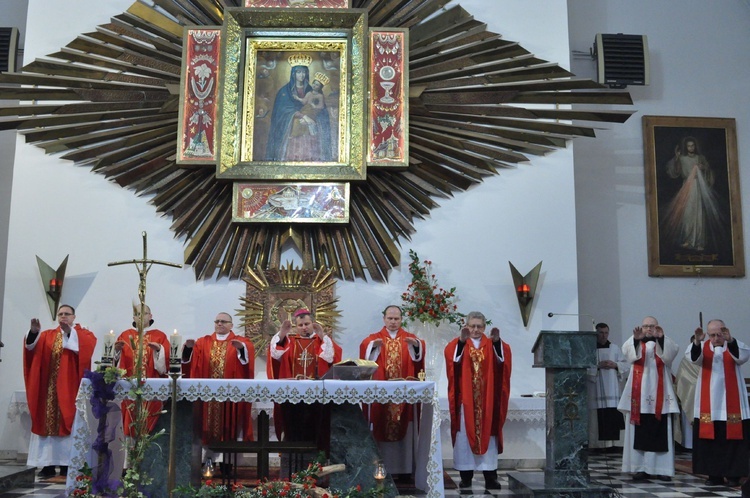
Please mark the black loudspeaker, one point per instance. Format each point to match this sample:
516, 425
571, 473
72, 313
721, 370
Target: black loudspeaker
622, 59
8, 49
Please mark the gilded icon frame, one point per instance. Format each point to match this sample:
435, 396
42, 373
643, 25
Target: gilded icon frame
250, 32
691, 166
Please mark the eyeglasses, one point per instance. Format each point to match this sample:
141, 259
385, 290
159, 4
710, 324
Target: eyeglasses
648, 326
63, 313
222, 321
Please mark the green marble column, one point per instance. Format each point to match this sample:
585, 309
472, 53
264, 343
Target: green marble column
565, 356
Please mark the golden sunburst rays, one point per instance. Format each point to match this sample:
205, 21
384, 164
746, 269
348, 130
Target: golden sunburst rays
478, 103
273, 295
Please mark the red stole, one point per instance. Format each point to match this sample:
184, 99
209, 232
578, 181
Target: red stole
734, 415
635, 394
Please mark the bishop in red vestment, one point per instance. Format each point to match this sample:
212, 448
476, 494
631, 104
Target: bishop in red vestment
399, 355
308, 354
54, 362
222, 355
155, 363
478, 370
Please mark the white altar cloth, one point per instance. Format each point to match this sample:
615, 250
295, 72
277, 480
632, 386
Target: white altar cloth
428, 474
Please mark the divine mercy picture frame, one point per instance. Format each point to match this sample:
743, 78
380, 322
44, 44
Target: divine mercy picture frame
693, 205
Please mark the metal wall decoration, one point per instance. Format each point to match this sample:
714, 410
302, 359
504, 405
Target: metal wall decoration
109, 100
273, 296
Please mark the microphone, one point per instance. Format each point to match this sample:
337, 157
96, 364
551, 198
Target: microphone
593, 322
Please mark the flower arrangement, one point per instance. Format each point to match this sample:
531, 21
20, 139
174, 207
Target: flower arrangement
83, 483
303, 484
423, 300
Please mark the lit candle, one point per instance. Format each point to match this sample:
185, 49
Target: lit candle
54, 285
109, 343
175, 341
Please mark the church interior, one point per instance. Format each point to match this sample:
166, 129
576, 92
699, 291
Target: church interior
581, 214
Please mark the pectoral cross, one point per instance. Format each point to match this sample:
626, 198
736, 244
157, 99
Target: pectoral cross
143, 265
305, 359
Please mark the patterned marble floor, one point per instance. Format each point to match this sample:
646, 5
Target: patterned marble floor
605, 469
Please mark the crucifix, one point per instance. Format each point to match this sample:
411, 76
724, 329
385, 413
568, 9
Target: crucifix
143, 265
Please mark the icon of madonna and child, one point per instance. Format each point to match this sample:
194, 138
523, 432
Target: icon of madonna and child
303, 119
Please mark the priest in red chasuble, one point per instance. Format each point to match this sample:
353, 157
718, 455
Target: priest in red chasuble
400, 356
222, 355
54, 361
478, 389
306, 354
721, 426
155, 362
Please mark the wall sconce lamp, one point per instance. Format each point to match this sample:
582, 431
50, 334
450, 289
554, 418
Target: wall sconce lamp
52, 281
525, 287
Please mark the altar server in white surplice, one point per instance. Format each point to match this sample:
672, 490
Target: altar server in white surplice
721, 424
604, 389
647, 402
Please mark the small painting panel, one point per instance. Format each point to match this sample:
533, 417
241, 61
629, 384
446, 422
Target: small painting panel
290, 202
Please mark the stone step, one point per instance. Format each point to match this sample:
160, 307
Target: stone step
16, 476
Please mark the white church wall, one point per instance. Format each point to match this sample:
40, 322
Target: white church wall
525, 215
700, 66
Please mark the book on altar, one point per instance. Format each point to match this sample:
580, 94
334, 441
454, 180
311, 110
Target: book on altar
351, 369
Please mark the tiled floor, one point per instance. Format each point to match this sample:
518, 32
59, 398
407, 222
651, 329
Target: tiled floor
605, 469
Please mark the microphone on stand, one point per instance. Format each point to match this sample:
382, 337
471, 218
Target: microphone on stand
593, 322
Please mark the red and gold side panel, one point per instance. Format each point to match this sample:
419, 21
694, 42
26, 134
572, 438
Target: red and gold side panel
389, 88
201, 63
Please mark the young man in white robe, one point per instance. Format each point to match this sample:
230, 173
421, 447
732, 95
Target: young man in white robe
604, 389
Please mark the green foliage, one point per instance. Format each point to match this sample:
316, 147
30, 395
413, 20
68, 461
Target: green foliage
423, 300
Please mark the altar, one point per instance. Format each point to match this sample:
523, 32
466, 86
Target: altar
429, 467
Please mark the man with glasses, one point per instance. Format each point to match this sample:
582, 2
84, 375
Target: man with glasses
478, 370
721, 427
54, 361
221, 355
647, 402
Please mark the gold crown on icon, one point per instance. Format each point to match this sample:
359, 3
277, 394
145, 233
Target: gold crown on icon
322, 78
300, 60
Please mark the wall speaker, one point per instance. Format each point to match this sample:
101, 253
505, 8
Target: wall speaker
8, 49
622, 59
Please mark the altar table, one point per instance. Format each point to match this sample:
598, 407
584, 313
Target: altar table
429, 466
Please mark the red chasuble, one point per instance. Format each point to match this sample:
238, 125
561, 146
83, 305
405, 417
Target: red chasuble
391, 420
480, 384
214, 359
52, 376
127, 363
301, 360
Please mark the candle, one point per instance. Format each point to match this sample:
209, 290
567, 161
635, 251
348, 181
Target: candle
175, 341
109, 343
54, 285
